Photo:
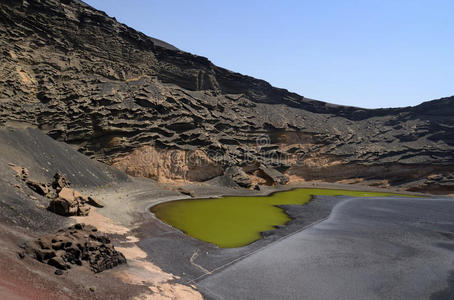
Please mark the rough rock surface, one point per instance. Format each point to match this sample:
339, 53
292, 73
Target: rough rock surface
65, 201
238, 176
435, 184
272, 175
80, 245
109, 90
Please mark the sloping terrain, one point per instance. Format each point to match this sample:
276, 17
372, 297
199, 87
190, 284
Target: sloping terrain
75, 84
152, 110
43, 157
27, 225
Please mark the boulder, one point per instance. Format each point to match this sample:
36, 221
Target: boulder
272, 175
61, 207
186, 192
67, 194
68, 206
238, 176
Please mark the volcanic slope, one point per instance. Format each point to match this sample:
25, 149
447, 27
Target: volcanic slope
118, 95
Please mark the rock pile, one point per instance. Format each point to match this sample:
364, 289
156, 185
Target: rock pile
80, 245
64, 200
69, 203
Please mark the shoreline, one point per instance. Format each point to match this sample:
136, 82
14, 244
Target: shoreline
129, 205
209, 256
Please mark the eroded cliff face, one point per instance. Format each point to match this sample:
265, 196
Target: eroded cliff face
118, 95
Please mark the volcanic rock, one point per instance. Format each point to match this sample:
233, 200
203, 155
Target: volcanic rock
272, 176
64, 207
39, 188
95, 202
65, 201
60, 182
238, 176
186, 192
116, 95
80, 245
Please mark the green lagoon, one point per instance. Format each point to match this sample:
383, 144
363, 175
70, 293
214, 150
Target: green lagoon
237, 221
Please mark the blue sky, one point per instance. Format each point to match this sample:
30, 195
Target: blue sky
370, 53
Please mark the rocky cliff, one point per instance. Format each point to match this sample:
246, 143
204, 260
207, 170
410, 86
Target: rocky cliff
153, 110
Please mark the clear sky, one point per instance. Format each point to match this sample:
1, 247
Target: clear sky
369, 53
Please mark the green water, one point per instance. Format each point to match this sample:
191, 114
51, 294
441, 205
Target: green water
237, 221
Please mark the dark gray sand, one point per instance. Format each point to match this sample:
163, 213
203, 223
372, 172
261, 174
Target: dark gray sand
369, 248
192, 259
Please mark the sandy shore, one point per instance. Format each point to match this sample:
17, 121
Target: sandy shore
160, 255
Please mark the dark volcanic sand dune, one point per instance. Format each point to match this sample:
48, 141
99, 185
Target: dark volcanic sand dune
24, 217
43, 156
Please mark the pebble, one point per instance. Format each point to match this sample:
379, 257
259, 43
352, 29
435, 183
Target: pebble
58, 272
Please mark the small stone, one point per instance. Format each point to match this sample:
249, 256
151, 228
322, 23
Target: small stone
95, 202
186, 192
58, 272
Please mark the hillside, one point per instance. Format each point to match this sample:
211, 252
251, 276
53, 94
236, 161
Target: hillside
152, 110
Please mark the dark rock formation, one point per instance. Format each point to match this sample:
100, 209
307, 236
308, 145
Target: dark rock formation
238, 176
109, 90
65, 201
435, 184
272, 175
60, 182
80, 245
39, 188
186, 192
95, 202
69, 203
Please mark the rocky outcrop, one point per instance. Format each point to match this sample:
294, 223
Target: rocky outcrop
273, 176
164, 165
238, 176
64, 200
78, 245
121, 93
69, 203
435, 184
